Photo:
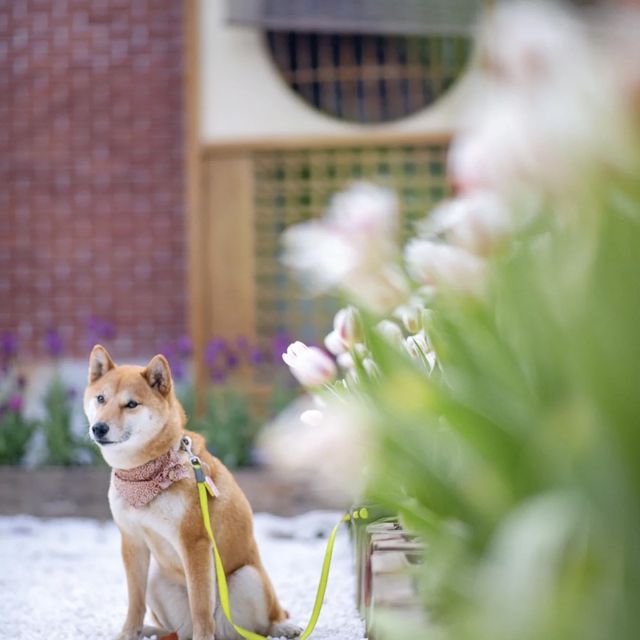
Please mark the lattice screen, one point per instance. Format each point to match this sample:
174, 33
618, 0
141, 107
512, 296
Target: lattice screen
292, 186
368, 78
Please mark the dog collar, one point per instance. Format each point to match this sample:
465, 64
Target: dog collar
141, 485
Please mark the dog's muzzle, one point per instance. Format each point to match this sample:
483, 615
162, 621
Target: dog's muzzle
99, 431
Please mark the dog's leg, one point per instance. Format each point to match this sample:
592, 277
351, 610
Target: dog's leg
285, 629
201, 586
168, 603
135, 555
280, 625
248, 605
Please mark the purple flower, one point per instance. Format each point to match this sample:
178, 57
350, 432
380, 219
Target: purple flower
212, 351
242, 345
218, 376
53, 343
178, 369
167, 350
279, 345
99, 330
184, 346
176, 361
257, 357
15, 403
232, 360
219, 359
8, 345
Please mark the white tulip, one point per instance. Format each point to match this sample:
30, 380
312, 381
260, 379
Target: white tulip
332, 452
417, 345
621, 29
346, 361
391, 331
436, 263
366, 210
370, 367
311, 366
477, 222
549, 106
334, 343
411, 316
346, 324
418, 348
353, 248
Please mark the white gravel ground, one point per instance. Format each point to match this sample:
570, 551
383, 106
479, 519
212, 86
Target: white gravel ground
62, 579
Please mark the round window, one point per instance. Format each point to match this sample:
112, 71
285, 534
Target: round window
365, 78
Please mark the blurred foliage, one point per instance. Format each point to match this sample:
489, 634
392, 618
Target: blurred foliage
15, 433
232, 417
63, 446
57, 426
518, 461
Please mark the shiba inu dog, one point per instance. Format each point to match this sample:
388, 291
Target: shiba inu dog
138, 423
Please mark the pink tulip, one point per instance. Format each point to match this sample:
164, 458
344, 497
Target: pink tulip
311, 366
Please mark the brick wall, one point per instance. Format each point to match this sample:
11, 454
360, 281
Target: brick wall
91, 172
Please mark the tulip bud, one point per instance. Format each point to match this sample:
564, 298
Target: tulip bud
417, 345
371, 367
334, 343
419, 349
345, 360
391, 331
311, 366
347, 325
411, 317
348, 361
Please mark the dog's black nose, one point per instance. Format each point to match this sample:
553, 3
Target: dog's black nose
100, 429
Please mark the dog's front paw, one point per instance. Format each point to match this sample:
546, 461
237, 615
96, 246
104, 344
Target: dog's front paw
129, 635
284, 629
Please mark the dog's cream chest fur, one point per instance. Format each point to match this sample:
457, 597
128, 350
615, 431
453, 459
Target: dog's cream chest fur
156, 524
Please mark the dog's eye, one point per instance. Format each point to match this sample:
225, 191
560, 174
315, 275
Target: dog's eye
132, 404
100, 399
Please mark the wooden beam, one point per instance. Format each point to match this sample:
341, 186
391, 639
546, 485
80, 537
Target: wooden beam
230, 246
195, 222
352, 139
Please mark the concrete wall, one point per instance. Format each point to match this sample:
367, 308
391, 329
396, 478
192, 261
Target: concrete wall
244, 98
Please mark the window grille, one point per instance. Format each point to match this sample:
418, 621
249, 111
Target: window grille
296, 185
368, 78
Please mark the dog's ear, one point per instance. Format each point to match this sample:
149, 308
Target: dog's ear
99, 363
158, 374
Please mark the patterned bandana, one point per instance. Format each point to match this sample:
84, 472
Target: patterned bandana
141, 485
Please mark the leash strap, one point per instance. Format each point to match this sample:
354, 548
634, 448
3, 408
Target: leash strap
223, 589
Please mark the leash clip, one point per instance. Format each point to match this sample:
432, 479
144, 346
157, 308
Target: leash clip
193, 458
196, 463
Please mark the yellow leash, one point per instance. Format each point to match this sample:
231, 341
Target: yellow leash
223, 590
